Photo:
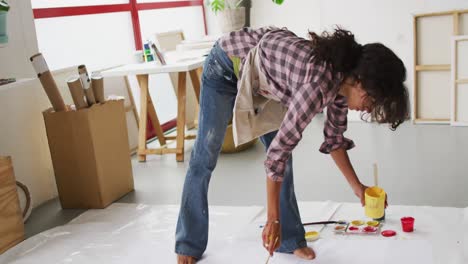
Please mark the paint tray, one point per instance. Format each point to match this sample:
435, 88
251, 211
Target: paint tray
359, 227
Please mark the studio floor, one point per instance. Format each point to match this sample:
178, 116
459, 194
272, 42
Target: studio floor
418, 165
423, 167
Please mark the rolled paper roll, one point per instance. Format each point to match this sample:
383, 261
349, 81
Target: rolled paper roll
97, 84
86, 82
48, 82
77, 92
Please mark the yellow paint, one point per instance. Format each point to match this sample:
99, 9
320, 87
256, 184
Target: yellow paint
375, 202
357, 223
373, 223
312, 236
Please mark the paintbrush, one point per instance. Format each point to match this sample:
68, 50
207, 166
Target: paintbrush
274, 244
325, 223
320, 223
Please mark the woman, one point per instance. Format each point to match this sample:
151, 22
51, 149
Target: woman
299, 78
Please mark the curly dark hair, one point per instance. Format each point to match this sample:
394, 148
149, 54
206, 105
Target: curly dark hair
380, 71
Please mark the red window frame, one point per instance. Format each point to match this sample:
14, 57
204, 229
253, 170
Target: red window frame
133, 7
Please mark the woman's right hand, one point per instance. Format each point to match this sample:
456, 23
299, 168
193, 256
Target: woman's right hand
271, 236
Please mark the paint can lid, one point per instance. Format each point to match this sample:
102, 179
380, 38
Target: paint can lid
388, 233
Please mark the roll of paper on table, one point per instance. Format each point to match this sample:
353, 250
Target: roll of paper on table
97, 83
86, 82
48, 82
77, 92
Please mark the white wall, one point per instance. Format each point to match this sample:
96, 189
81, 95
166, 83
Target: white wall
388, 22
14, 58
298, 16
23, 137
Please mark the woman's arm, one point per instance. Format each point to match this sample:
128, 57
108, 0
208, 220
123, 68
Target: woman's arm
273, 195
340, 156
272, 230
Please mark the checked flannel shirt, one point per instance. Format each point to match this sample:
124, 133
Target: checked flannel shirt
304, 86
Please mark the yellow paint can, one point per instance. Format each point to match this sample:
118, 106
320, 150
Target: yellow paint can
375, 202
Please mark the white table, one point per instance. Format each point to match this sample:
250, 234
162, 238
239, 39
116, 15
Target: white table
177, 62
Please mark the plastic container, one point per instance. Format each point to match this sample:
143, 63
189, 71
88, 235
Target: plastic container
312, 236
407, 224
375, 202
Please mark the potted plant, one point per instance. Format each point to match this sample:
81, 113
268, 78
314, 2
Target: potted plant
4, 7
233, 14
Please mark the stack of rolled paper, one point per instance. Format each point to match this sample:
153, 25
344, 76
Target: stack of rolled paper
85, 91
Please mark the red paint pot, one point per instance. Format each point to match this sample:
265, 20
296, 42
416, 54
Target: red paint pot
353, 228
388, 233
407, 224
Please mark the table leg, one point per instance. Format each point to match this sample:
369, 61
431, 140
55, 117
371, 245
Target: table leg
132, 101
155, 120
143, 81
195, 83
181, 98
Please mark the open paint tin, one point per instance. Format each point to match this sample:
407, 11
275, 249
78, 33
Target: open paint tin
312, 236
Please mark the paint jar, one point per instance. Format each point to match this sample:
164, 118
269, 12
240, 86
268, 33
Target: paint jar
312, 236
407, 224
375, 202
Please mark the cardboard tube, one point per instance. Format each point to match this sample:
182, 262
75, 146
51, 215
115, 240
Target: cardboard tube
85, 81
77, 93
48, 82
97, 83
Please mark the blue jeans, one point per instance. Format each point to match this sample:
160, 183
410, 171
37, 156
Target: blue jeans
218, 93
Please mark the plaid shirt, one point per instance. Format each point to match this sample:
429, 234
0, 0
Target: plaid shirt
304, 86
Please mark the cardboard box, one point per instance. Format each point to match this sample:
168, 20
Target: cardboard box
89, 150
11, 217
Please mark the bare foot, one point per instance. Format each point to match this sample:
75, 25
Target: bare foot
305, 253
181, 259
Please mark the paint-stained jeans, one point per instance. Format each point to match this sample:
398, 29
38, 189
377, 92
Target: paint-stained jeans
218, 93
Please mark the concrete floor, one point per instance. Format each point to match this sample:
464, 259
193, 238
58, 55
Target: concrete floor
418, 165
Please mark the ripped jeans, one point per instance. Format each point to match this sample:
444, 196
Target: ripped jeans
218, 94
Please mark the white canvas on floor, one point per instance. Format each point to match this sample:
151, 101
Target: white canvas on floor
364, 252
137, 233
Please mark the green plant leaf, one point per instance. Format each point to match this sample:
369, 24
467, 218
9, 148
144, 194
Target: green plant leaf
238, 3
4, 6
278, 2
217, 5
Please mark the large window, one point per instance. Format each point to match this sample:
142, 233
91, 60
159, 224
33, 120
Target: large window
108, 32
